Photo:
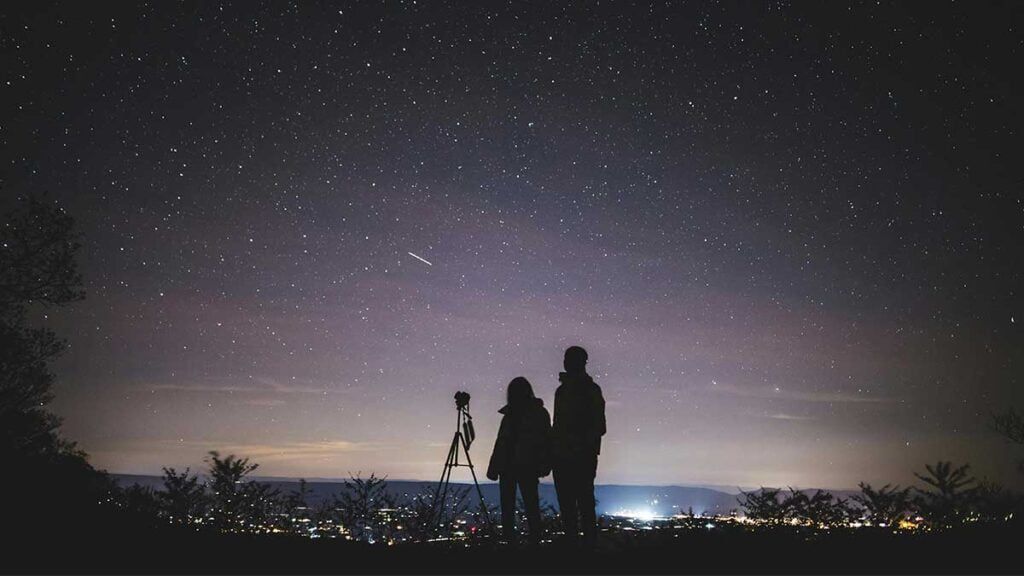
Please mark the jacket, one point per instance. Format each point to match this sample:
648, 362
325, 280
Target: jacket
579, 418
522, 448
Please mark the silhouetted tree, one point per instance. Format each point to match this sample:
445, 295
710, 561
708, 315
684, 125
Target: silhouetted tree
764, 505
420, 526
297, 499
949, 500
37, 269
262, 507
483, 522
428, 521
364, 507
239, 505
994, 503
885, 506
327, 519
821, 509
183, 499
299, 515
140, 500
793, 506
1010, 424
47, 473
38, 245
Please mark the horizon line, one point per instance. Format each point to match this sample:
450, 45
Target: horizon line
725, 488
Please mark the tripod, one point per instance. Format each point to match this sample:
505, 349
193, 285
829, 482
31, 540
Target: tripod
464, 436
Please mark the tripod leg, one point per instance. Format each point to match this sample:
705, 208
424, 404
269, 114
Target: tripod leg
446, 474
479, 492
453, 461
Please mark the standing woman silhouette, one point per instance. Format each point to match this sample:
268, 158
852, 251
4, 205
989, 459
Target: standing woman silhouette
521, 456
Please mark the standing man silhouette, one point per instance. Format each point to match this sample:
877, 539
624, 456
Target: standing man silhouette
576, 441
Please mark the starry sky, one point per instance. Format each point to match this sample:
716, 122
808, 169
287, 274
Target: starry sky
787, 233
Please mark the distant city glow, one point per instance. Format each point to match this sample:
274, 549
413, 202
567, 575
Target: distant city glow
645, 514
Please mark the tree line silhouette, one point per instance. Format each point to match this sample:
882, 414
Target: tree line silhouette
365, 510
950, 498
227, 499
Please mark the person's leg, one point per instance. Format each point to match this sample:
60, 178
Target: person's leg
587, 504
531, 500
507, 487
566, 501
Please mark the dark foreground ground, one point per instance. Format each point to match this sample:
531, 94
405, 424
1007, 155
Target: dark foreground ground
74, 548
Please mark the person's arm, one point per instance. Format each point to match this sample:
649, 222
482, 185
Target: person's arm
496, 464
545, 447
543, 428
600, 425
557, 423
557, 410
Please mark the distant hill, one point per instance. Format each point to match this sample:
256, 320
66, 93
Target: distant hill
612, 498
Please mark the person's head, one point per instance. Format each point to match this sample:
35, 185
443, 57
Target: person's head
519, 392
575, 360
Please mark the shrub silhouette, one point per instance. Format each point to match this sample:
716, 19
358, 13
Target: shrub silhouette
885, 506
1009, 424
239, 505
183, 500
821, 509
427, 521
764, 505
948, 502
299, 517
365, 509
140, 502
993, 503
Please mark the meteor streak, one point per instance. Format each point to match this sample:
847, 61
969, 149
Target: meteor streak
424, 260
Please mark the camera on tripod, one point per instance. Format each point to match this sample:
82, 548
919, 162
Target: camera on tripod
462, 405
464, 436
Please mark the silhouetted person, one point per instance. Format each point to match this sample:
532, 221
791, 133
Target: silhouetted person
576, 441
521, 455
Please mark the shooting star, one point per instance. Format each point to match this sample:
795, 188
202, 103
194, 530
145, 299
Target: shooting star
424, 260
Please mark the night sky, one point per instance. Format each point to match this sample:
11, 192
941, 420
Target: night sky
788, 234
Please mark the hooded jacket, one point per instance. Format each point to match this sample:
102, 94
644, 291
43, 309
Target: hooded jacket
522, 448
579, 418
